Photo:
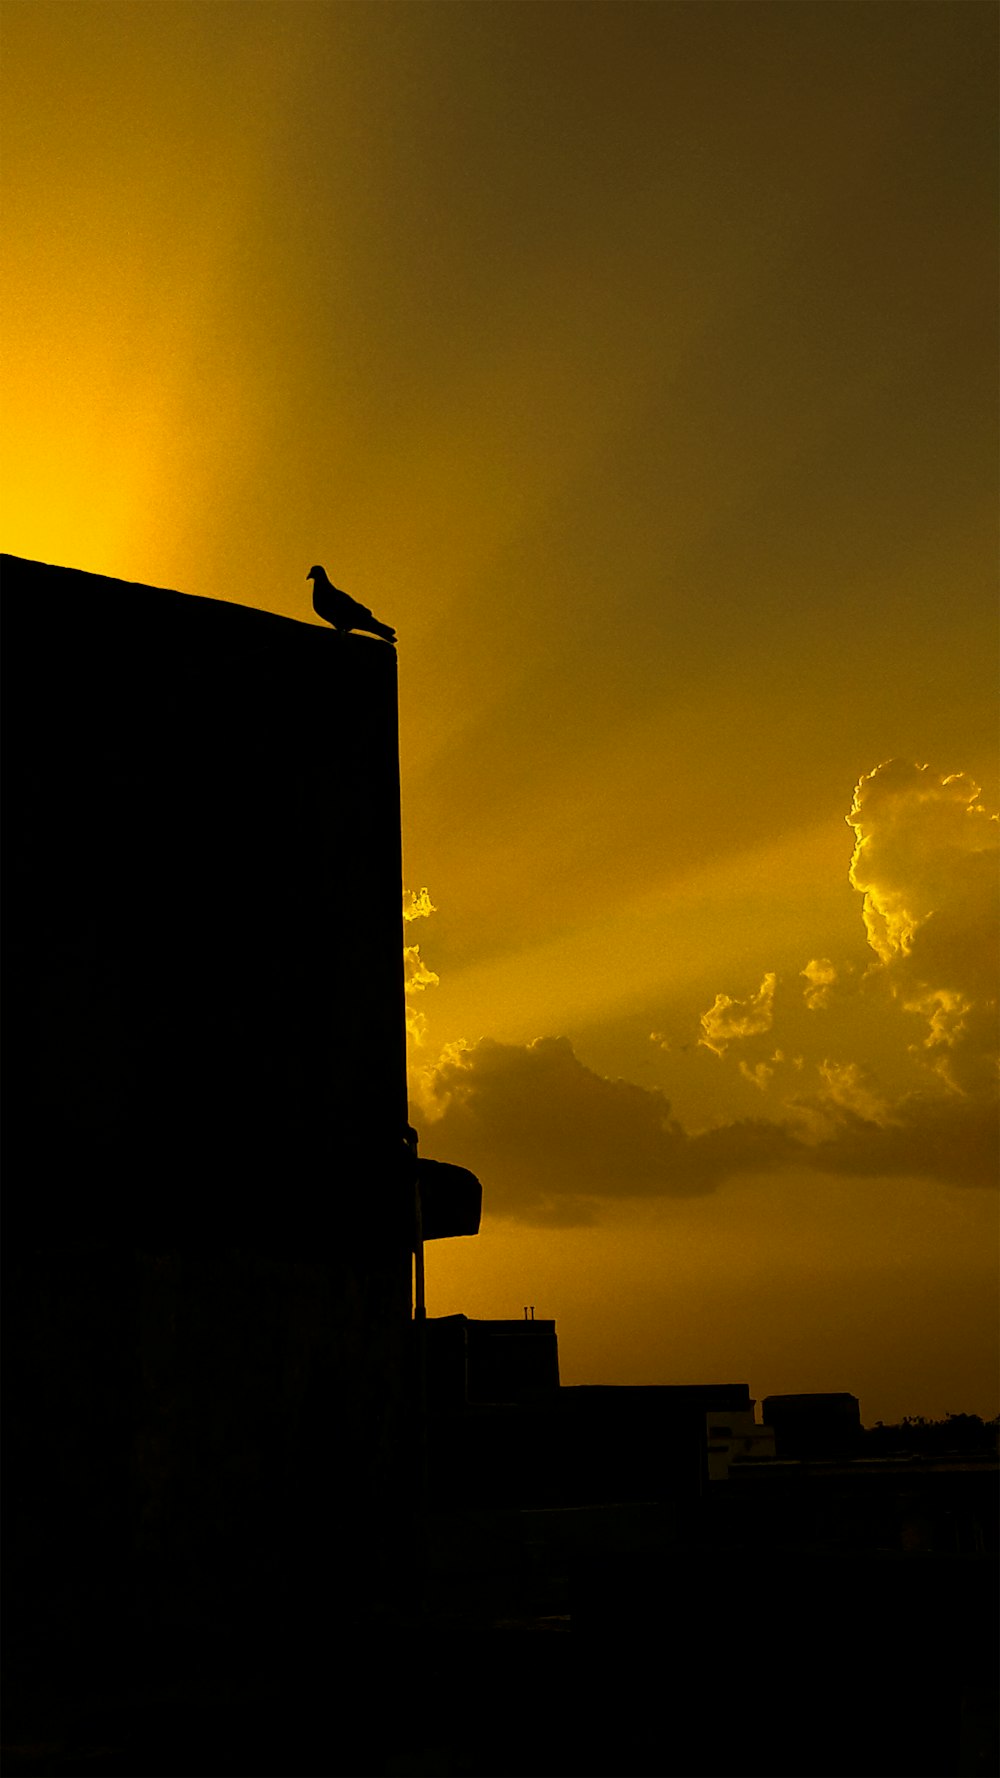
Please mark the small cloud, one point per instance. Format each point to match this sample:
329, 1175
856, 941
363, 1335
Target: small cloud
728, 1020
761, 1076
949, 1015
820, 975
416, 975
417, 904
848, 1085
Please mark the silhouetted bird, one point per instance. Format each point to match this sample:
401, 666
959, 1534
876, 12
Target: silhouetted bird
340, 610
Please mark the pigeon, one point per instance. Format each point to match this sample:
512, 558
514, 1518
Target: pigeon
343, 612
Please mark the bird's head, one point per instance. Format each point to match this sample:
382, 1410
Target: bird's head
316, 574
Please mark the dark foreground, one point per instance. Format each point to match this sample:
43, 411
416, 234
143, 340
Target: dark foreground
582, 1643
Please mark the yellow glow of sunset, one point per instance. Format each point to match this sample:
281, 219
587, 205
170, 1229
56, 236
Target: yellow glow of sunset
638, 364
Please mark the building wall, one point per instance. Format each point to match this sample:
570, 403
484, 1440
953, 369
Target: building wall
736, 1438
208, 1220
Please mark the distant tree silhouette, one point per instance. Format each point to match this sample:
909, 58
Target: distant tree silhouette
956, 1433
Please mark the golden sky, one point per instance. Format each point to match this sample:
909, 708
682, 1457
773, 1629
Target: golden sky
638, 363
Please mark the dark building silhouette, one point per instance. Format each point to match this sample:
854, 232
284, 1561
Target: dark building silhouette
502, 1433
817, 1425
645, 1442
214, 1458
451, 1200
490, 1361
208, 1192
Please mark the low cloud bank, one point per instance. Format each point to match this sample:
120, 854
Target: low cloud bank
554, 1141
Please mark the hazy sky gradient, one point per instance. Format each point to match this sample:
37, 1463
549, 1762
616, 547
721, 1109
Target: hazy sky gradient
638, 363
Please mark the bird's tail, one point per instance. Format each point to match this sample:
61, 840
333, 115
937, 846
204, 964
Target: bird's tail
383, 630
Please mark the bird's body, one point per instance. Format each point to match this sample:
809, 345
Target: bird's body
343, 612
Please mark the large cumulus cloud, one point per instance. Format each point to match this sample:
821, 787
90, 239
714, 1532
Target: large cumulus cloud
925, 861
925, 865
551, 1139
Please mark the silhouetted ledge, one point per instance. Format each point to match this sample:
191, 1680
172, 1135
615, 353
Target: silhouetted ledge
451, 1200
75, 596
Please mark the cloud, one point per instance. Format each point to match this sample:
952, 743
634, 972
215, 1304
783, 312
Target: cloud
920, 1136
727, 1019
820, 975
851, 1087
416, 977
760, 1076
417, 905
553, 1141
925, 864
925, 861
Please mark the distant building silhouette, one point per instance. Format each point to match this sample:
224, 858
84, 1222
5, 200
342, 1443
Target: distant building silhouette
502, 1432
490, 1361
817, 1425
734, 1438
